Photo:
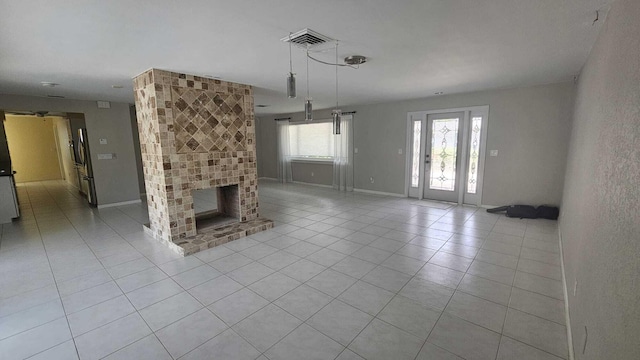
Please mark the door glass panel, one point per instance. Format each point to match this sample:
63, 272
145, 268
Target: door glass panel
474, 154
415, 161
444, 151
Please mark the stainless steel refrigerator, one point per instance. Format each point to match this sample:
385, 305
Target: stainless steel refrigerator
85, 171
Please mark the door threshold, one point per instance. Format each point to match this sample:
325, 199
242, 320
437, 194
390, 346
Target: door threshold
435, 203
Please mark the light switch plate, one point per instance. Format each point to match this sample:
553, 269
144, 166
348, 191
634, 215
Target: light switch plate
106, 156
104, 105
355, 150
493, 153
103, 141
399, 151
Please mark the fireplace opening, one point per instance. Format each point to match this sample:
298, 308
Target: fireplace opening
216, 207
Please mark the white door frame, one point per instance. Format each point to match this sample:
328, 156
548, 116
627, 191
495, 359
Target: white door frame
468, 113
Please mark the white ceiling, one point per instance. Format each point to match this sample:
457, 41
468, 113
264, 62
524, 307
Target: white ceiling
415, 47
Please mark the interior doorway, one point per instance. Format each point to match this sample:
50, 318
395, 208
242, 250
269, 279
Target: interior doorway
446, 154
43, 146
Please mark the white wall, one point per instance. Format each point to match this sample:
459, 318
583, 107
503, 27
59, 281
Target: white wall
600, 219
529, 126
116, 180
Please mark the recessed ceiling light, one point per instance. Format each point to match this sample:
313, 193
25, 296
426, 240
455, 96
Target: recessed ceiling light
439, 93
117, 86
49, 84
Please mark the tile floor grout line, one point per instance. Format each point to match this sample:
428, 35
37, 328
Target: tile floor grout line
56, 282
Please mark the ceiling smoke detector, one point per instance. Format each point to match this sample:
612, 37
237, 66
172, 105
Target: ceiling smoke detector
308, 39
355, 60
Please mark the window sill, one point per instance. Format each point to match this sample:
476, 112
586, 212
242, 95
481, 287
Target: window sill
313, 161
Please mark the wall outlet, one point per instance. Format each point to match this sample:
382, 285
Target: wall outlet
355, 150
371, 179
575, 287
493, 152
103, 141
312, 173
399, 151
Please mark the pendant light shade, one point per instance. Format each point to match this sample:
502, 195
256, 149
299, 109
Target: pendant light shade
337, 117
308, 110
291, 79
291, 86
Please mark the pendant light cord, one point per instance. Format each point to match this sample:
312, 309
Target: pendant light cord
307, 73
290, 56
336, 75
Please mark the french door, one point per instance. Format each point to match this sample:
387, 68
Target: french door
446, 154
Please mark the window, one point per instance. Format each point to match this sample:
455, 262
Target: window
312, 140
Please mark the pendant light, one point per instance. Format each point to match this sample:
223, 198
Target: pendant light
308, 108
291, 79
336, 113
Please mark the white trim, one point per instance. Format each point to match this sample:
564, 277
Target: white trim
267, 178
312, 161
119, 204
468, 114
379, 193
567, 319
407, 155
464, 155
312, 184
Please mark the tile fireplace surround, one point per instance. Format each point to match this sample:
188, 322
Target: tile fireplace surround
196, 133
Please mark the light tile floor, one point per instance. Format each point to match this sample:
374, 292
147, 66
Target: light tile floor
341, 276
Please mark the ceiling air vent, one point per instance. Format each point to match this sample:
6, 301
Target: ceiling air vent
308, 39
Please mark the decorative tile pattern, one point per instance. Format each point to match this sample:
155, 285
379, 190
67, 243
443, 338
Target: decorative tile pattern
195, 133
207, 121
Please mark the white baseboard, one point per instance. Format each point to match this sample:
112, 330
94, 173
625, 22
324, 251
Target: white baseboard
267, 178
312, 184
379, 193
119, 204
566, 300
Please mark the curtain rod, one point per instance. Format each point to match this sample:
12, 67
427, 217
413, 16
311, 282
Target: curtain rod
289, 118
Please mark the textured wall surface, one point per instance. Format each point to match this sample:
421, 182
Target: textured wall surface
530, 128
195, 133
600, 223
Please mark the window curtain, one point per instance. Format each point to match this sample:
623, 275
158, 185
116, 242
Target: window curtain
343, 157
284, 152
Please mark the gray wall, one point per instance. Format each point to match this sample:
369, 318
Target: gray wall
312, 173
4, 147
600, 223
266, 147
529, 126
136, 148
116, 180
